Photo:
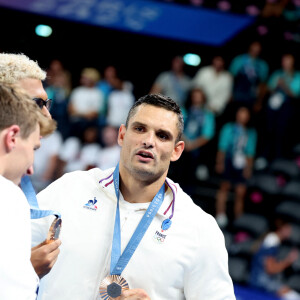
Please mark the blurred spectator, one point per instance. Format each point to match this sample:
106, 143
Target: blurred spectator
250, 73
107, 83
79, 153
199, 129
45, 161
199, 125
86, 102
284, 88
58, 87
267, 269
174, 83
120, 101
237, 146
216, 83
109, 155
56, 69
274, 8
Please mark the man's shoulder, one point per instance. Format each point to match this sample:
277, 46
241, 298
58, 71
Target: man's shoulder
8, 188
93, 176
9, 191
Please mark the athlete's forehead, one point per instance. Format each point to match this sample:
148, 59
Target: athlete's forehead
148, 112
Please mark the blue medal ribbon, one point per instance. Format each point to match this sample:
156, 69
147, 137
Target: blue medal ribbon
118, 261
35, 211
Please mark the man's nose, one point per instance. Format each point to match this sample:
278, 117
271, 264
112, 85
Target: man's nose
149, 140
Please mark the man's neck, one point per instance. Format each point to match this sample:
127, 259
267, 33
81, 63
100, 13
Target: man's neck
138, 191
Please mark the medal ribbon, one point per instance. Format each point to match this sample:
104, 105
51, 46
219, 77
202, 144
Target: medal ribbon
118, 261
35, 211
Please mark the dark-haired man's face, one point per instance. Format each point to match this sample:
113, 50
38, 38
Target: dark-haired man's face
149, 142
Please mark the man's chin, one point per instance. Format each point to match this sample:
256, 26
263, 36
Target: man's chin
144, 170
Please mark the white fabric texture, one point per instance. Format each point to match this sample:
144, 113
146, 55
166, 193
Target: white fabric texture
190, 262
18, 279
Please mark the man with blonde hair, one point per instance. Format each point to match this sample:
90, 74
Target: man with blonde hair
20, 69
21, 124
86, 102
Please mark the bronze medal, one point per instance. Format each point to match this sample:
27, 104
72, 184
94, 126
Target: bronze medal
111, 287
54, 231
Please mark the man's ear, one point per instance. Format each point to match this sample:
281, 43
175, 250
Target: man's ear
122, 131
10, 138
178, 149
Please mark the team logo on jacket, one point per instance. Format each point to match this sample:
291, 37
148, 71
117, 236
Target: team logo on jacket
91, 204
159, 237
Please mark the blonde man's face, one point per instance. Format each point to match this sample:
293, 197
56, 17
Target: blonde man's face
35, 89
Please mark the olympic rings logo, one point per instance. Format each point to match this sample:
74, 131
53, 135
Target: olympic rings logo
159, 239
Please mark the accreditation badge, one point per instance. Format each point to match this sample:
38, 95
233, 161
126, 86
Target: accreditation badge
54, 231
111, 287
239, 160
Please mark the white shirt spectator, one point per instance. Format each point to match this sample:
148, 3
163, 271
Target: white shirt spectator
108, 157
45, 160
87, 99
119, 104
78, 156
217, 87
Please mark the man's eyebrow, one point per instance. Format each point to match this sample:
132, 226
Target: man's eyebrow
166, 132
138, 124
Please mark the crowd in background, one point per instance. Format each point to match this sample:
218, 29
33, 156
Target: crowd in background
234, 118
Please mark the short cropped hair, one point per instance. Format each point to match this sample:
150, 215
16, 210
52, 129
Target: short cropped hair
15, 67
17, 108
162, 101
91, 73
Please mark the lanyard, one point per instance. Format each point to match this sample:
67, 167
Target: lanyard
35, 211
239, 139
118, 261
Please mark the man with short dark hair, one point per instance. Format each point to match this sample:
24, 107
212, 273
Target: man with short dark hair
130, 231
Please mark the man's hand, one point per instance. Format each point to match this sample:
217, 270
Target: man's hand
44, 256
134, 294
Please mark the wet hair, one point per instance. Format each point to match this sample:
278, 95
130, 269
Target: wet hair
162, 101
